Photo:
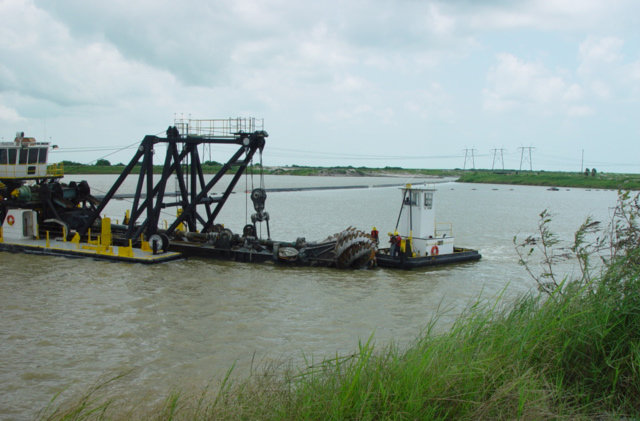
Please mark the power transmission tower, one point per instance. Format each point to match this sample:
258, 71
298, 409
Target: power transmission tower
523, 157
469, 153
495, 155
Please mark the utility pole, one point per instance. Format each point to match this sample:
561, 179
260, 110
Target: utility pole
523, 157
495, 155
469, 153
582, 162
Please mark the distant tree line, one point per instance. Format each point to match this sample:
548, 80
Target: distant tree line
593, 172
99, 163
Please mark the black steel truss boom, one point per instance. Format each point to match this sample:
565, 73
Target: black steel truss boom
183, 160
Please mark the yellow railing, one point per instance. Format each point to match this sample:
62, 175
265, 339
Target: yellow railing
55, 170
444, 228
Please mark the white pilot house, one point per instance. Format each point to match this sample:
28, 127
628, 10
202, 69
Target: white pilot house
24, 158
417, 224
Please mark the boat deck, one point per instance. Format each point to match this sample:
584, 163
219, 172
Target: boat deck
58, 247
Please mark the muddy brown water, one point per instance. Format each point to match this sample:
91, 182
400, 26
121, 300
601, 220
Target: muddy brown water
68, 323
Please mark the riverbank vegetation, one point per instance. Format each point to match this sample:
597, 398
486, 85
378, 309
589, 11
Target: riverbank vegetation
103, 166
592, 180
571, 350
588, 179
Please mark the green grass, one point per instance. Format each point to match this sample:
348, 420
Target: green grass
77, 168
554, 179
570, 355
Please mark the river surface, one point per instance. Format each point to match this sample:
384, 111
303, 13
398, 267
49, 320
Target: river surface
67, 324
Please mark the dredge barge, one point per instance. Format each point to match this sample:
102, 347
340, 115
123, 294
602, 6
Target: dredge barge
53, 213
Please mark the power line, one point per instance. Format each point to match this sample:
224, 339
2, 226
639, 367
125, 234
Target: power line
353, 156
115, 149
470, 153
523, 157
495, 154
89, 149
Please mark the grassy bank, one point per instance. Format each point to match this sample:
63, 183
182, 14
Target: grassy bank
213, 167
532, 178
574, 357
572, 351
72, 168
554, 179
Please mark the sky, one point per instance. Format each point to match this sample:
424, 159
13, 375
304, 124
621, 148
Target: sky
399, 83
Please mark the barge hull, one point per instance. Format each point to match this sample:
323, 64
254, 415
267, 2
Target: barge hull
68, 250
211, 252
403, 262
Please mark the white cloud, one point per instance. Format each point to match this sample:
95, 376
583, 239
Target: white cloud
599, 88
634, 70
579, 111
49, 64
550, 15
601, 50
573, 93
515, 83
349, 84
606, 71
430, 103
602, 74
402, 64
440, 23
10, 115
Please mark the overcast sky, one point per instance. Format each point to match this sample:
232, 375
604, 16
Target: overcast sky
366, 83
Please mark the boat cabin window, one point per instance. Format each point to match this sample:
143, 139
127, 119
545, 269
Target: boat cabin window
42, 156
428, 199
7, 156
27, 156
411, 199
33, 155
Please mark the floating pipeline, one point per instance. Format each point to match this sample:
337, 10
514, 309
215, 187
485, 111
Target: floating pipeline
120, 196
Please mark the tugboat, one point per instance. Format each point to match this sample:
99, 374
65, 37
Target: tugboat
418, 240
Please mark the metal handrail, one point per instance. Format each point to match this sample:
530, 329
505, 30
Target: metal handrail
55, 170
218, 127
447, 229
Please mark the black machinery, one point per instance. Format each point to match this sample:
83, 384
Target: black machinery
28, 182
28, 187
182, 159
203, 236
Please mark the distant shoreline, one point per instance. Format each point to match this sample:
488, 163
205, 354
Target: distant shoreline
512, 177
609, 181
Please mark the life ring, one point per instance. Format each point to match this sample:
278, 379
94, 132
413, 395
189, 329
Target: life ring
434, 251
11, 220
